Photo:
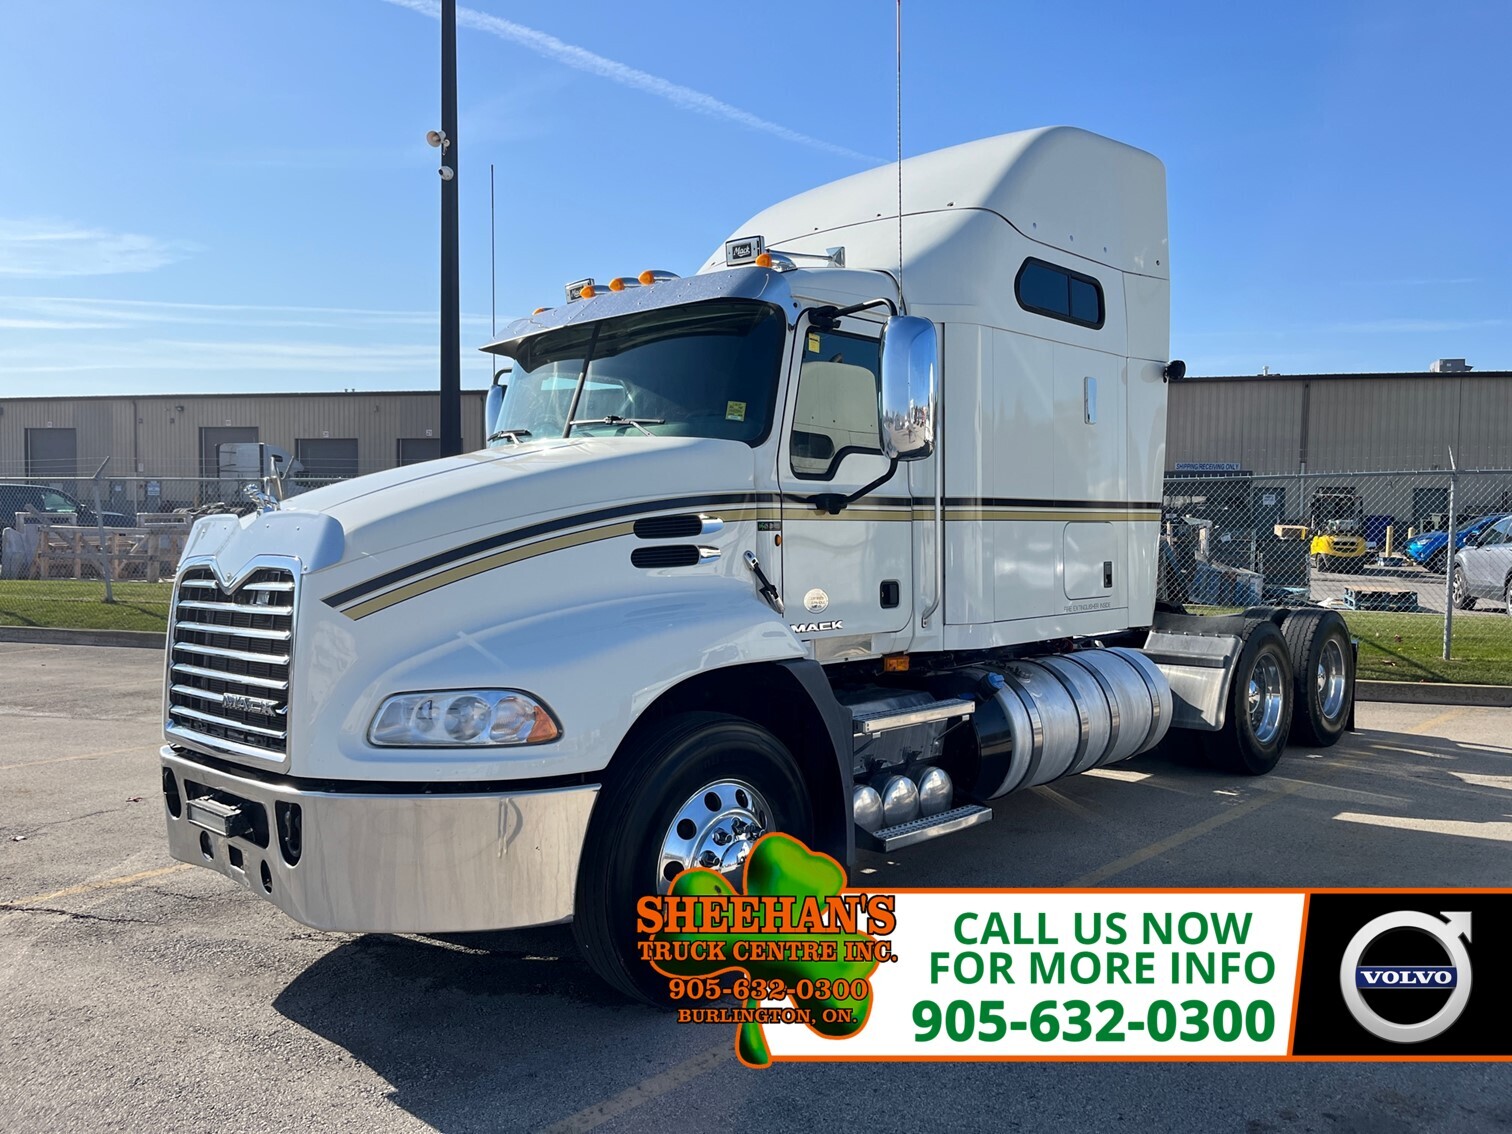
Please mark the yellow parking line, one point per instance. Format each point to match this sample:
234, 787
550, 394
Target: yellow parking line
60, 759
643, 1092
103, 884
1447, 715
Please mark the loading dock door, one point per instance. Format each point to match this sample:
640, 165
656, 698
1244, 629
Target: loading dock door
52, 454
327, 458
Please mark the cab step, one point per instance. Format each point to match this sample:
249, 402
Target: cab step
923, 829
871, 722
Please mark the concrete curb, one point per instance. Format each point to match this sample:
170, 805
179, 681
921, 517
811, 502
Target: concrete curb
1430, 693
48, 636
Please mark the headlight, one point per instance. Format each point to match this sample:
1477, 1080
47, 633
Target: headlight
462, 717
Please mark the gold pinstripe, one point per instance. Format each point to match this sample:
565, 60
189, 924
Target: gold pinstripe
619, 528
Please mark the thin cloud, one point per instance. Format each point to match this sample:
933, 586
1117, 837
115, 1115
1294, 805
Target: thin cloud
1415, 326
581, 59
58, 312
50, 250
154, 355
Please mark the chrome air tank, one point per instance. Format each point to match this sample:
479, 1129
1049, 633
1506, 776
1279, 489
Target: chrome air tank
1052, 716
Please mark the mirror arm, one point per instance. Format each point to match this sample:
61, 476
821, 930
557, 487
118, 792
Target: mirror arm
828, 318
836, 502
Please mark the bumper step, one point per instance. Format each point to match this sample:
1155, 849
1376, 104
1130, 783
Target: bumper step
922, 830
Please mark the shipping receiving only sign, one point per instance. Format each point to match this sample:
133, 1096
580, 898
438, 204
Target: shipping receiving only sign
807, 969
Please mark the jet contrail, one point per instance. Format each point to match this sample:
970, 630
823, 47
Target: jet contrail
583, 60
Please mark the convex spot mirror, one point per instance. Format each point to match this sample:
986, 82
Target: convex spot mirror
910, 353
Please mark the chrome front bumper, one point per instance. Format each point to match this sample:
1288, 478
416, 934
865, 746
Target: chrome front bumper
388, 863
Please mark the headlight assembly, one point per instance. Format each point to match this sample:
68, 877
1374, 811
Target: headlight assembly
462, 718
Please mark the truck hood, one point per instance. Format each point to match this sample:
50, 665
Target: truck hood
490, 490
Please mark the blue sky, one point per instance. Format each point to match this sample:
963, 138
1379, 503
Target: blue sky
209, 196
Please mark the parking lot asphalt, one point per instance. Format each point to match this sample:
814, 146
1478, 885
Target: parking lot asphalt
136, 993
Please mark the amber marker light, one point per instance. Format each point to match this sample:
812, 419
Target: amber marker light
616, 284
588, 292
648, 277
764, 260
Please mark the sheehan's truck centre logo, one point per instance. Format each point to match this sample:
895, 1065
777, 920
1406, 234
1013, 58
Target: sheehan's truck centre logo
805, 968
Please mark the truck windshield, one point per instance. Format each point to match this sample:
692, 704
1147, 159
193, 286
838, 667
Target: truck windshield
705, 370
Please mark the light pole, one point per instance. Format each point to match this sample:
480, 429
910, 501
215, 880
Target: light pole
451, 329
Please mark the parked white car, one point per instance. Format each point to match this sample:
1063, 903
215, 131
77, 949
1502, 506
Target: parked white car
1483, 569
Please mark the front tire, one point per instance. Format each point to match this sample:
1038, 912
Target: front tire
1260, 704
1323, 675
1463, 599
697, 789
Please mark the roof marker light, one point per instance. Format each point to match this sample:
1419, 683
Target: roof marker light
653, 275
764, 260
538, 310
580, 289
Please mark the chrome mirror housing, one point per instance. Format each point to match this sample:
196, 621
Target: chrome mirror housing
910, 357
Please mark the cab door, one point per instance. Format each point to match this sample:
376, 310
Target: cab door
847, 575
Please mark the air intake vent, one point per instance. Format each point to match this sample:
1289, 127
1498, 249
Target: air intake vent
229, 673
675, 555
669, 527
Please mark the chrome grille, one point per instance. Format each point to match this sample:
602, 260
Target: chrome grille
228, 673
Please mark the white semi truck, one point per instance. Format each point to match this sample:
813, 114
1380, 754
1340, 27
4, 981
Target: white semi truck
848, 535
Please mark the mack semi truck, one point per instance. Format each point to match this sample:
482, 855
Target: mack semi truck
850, 534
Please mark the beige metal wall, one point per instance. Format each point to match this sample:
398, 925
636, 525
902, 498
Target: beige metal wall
159, 436
1337, 423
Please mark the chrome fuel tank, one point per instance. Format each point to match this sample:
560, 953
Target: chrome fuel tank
1047, 717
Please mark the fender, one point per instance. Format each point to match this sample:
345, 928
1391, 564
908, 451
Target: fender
639, 646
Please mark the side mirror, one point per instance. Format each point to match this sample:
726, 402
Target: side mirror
494, 403
910, 353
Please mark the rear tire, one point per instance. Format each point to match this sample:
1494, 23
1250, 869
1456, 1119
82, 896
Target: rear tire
1323, 675
1260, 703
651, 790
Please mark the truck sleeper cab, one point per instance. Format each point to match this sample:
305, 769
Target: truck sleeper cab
777, 546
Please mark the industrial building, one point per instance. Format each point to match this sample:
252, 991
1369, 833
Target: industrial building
1387, 437
163, 448
1287, 431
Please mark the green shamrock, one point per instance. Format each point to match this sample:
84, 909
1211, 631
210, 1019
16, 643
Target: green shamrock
778, 866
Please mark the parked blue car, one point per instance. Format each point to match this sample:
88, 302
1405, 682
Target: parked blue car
1428, 551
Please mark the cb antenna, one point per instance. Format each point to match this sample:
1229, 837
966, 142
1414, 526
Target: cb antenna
493, 277
900, 150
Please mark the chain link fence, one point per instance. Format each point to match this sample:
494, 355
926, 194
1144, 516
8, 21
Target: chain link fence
1418, 562
100, 552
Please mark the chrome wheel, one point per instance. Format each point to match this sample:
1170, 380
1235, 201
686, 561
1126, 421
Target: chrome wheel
1266, 699
715, 829
1333, 681
1457, 589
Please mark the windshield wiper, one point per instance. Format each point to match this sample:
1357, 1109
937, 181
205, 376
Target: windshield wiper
639, 422
513, 434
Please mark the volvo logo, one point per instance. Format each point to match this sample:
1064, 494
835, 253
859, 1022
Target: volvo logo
257, 706
1356, 978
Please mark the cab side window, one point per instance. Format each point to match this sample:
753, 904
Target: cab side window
836, 413
1498, 534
